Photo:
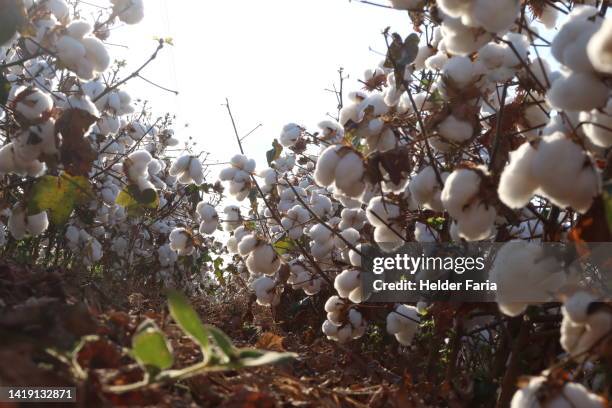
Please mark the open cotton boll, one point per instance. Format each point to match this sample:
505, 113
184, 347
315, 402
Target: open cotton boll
460, 70
597, 126
437, 61
290, 134
180, 165
569, 46
425, 51
568, 396
32, 103
352, 218
332, 131
96, 53
577, 92
263, 259
455, 130
129, 11
426, 190
17, 223
59, 9
477, 222
565, 172
347, 281
79, 29
264, 288
326, 166
460, 39
403, 323
381, 212
495, 16
549, 16
599, 48
582, 329
517, 185
460, 189
524, 276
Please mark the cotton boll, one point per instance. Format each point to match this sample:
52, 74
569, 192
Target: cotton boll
495, 16
79, 29
569, 46
577, 92
599, 48
32, 103
346, 282
96, 53
352, 218
59, 8
263, 259
460, 188
180, 165
549, 16
565, 173
477, 222
425, 52
426, 190
264, 289
582, 329
17, 224
516, 185
598, 126
570, 395
326, 166
290, 135
37, 224
524, 276
332, 131
381, 212
196, 171
459, 70
403, 322
129, 11
349, 174
460, 39
455, 130
329, 329
437, 61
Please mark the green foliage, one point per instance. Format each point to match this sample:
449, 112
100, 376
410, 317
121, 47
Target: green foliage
151, 348
58, 195
136, 202
188, 320
282, 246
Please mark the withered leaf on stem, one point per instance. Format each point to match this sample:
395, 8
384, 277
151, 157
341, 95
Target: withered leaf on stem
76, 152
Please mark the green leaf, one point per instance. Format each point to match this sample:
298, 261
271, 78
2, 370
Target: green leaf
58, 195
188, 320
255, 358
282, 246
218, 263
151, 348
275, 153
136, 201
223, 342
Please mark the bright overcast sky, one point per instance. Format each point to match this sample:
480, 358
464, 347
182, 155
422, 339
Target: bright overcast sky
271, 58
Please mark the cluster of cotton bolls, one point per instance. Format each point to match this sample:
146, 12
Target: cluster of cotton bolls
80, 51
554, 167
384, 216
584, 325
403, 323
188, 170
209, 219
524, 275
461, 197
343, 323
570, 395
238, 175
83, 243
